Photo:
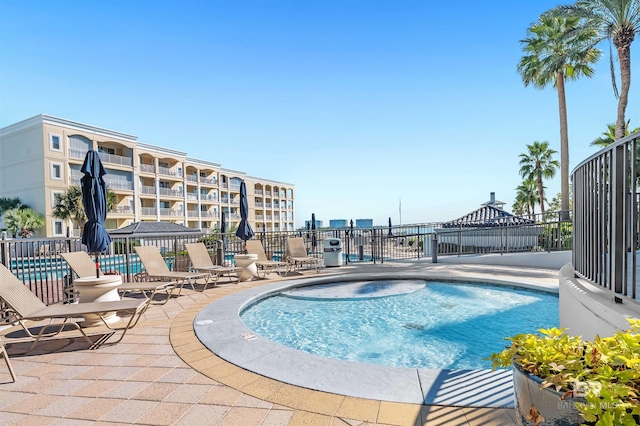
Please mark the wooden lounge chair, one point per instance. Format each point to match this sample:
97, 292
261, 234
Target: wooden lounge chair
298, 254
156, 268
255, 247
84, 267
200, 261
25, 306
4, 354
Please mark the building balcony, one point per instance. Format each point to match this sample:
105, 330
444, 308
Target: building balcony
208, 181
148, 211
259, 217
148, 189
224, 200
235, 186
209, 214
258, 191
115, 159
171, 192
77, 153
123, 210
234, 216
119, 184
191, 196
267, 193
224, 185
192, 213
75, 179
169, 212
191, 178
210, 198
267, 205
258, 205
147, 168
165, 171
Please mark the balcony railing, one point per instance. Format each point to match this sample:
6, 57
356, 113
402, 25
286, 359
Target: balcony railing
267, 205
171, 192
148, 211
259, 217
166, 171
267, 193
258, 204
124, 210
192, 178
77, 153
144, 189
115, 159
224, 185
224, 200
606, 199
208, 197
258, 191
208, 181
209, 214
235, 186
147, 168
169, 212
192, 196
75, 179
192, 213
119, 184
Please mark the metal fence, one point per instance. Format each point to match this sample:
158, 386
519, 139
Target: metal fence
37, 261
605, 194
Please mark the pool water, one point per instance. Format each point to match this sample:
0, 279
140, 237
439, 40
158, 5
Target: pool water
442, 325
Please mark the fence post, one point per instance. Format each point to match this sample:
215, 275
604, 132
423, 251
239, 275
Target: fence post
127, 259
418, 243
4, 259
460, 240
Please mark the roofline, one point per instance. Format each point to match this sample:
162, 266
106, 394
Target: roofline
203, 162
69, 124
270, 181
161, 149
238, 172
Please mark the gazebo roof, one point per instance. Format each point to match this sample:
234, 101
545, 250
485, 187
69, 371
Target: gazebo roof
153, 228
487, 216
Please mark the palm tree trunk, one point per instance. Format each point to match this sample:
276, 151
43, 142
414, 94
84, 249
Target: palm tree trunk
564, 145
624, 55
541, 192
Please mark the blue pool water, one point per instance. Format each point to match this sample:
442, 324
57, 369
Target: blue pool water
442, 325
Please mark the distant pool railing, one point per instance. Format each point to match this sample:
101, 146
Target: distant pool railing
37, 261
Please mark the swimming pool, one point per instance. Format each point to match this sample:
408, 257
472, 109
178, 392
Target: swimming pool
436, 325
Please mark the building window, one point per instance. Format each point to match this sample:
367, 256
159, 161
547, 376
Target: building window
56, 171
57, 228
54, 195
55, 142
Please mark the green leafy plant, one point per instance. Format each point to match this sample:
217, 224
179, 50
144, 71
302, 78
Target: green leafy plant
605, 371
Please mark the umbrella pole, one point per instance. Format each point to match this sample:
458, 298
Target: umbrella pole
97, 267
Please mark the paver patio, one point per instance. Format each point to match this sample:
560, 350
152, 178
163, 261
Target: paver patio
160, 374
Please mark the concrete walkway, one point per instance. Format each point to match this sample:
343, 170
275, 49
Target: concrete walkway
161, 374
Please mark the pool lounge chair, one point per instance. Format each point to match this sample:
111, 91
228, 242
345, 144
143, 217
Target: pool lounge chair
156, 268
255, 247
84, 267
25, 306
4, 354
201, 261
298, 254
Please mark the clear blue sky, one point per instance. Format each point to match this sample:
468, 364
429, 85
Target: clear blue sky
358, 103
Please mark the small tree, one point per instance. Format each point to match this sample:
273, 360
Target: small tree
68, 206
23, 222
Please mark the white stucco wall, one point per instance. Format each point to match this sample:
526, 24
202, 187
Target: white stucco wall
587, 310
552, 260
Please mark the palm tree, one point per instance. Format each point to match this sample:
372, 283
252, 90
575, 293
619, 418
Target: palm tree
558, 49
68, 206
7, 203
23, 222
609, 136
539, 164
527, 197
618, 21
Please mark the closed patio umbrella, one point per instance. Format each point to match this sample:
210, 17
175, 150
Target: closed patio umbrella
314, 241
223, 229
94, 200
390, 233
244, 231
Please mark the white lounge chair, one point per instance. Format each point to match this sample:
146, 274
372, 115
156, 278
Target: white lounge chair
255, 247
298, 254
201, 261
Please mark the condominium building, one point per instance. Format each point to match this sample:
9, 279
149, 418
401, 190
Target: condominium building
41, 158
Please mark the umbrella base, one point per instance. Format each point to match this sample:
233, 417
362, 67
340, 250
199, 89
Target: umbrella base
103, 289
248, 264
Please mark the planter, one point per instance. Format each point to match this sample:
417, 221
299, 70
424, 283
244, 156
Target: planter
530, 399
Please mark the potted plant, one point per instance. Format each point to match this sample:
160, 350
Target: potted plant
564, 380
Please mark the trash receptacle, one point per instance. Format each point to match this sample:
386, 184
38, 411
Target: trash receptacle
332, 250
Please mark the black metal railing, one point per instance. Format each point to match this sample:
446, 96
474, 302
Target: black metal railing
605, 199
37, 261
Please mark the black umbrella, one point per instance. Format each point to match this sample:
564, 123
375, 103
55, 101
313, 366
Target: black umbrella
390, 233
223, 229
351, 228
94, 200
244, 231
314, 241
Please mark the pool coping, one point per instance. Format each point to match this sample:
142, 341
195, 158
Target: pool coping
219, 327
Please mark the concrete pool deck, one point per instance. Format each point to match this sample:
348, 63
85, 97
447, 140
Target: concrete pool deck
162, 374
